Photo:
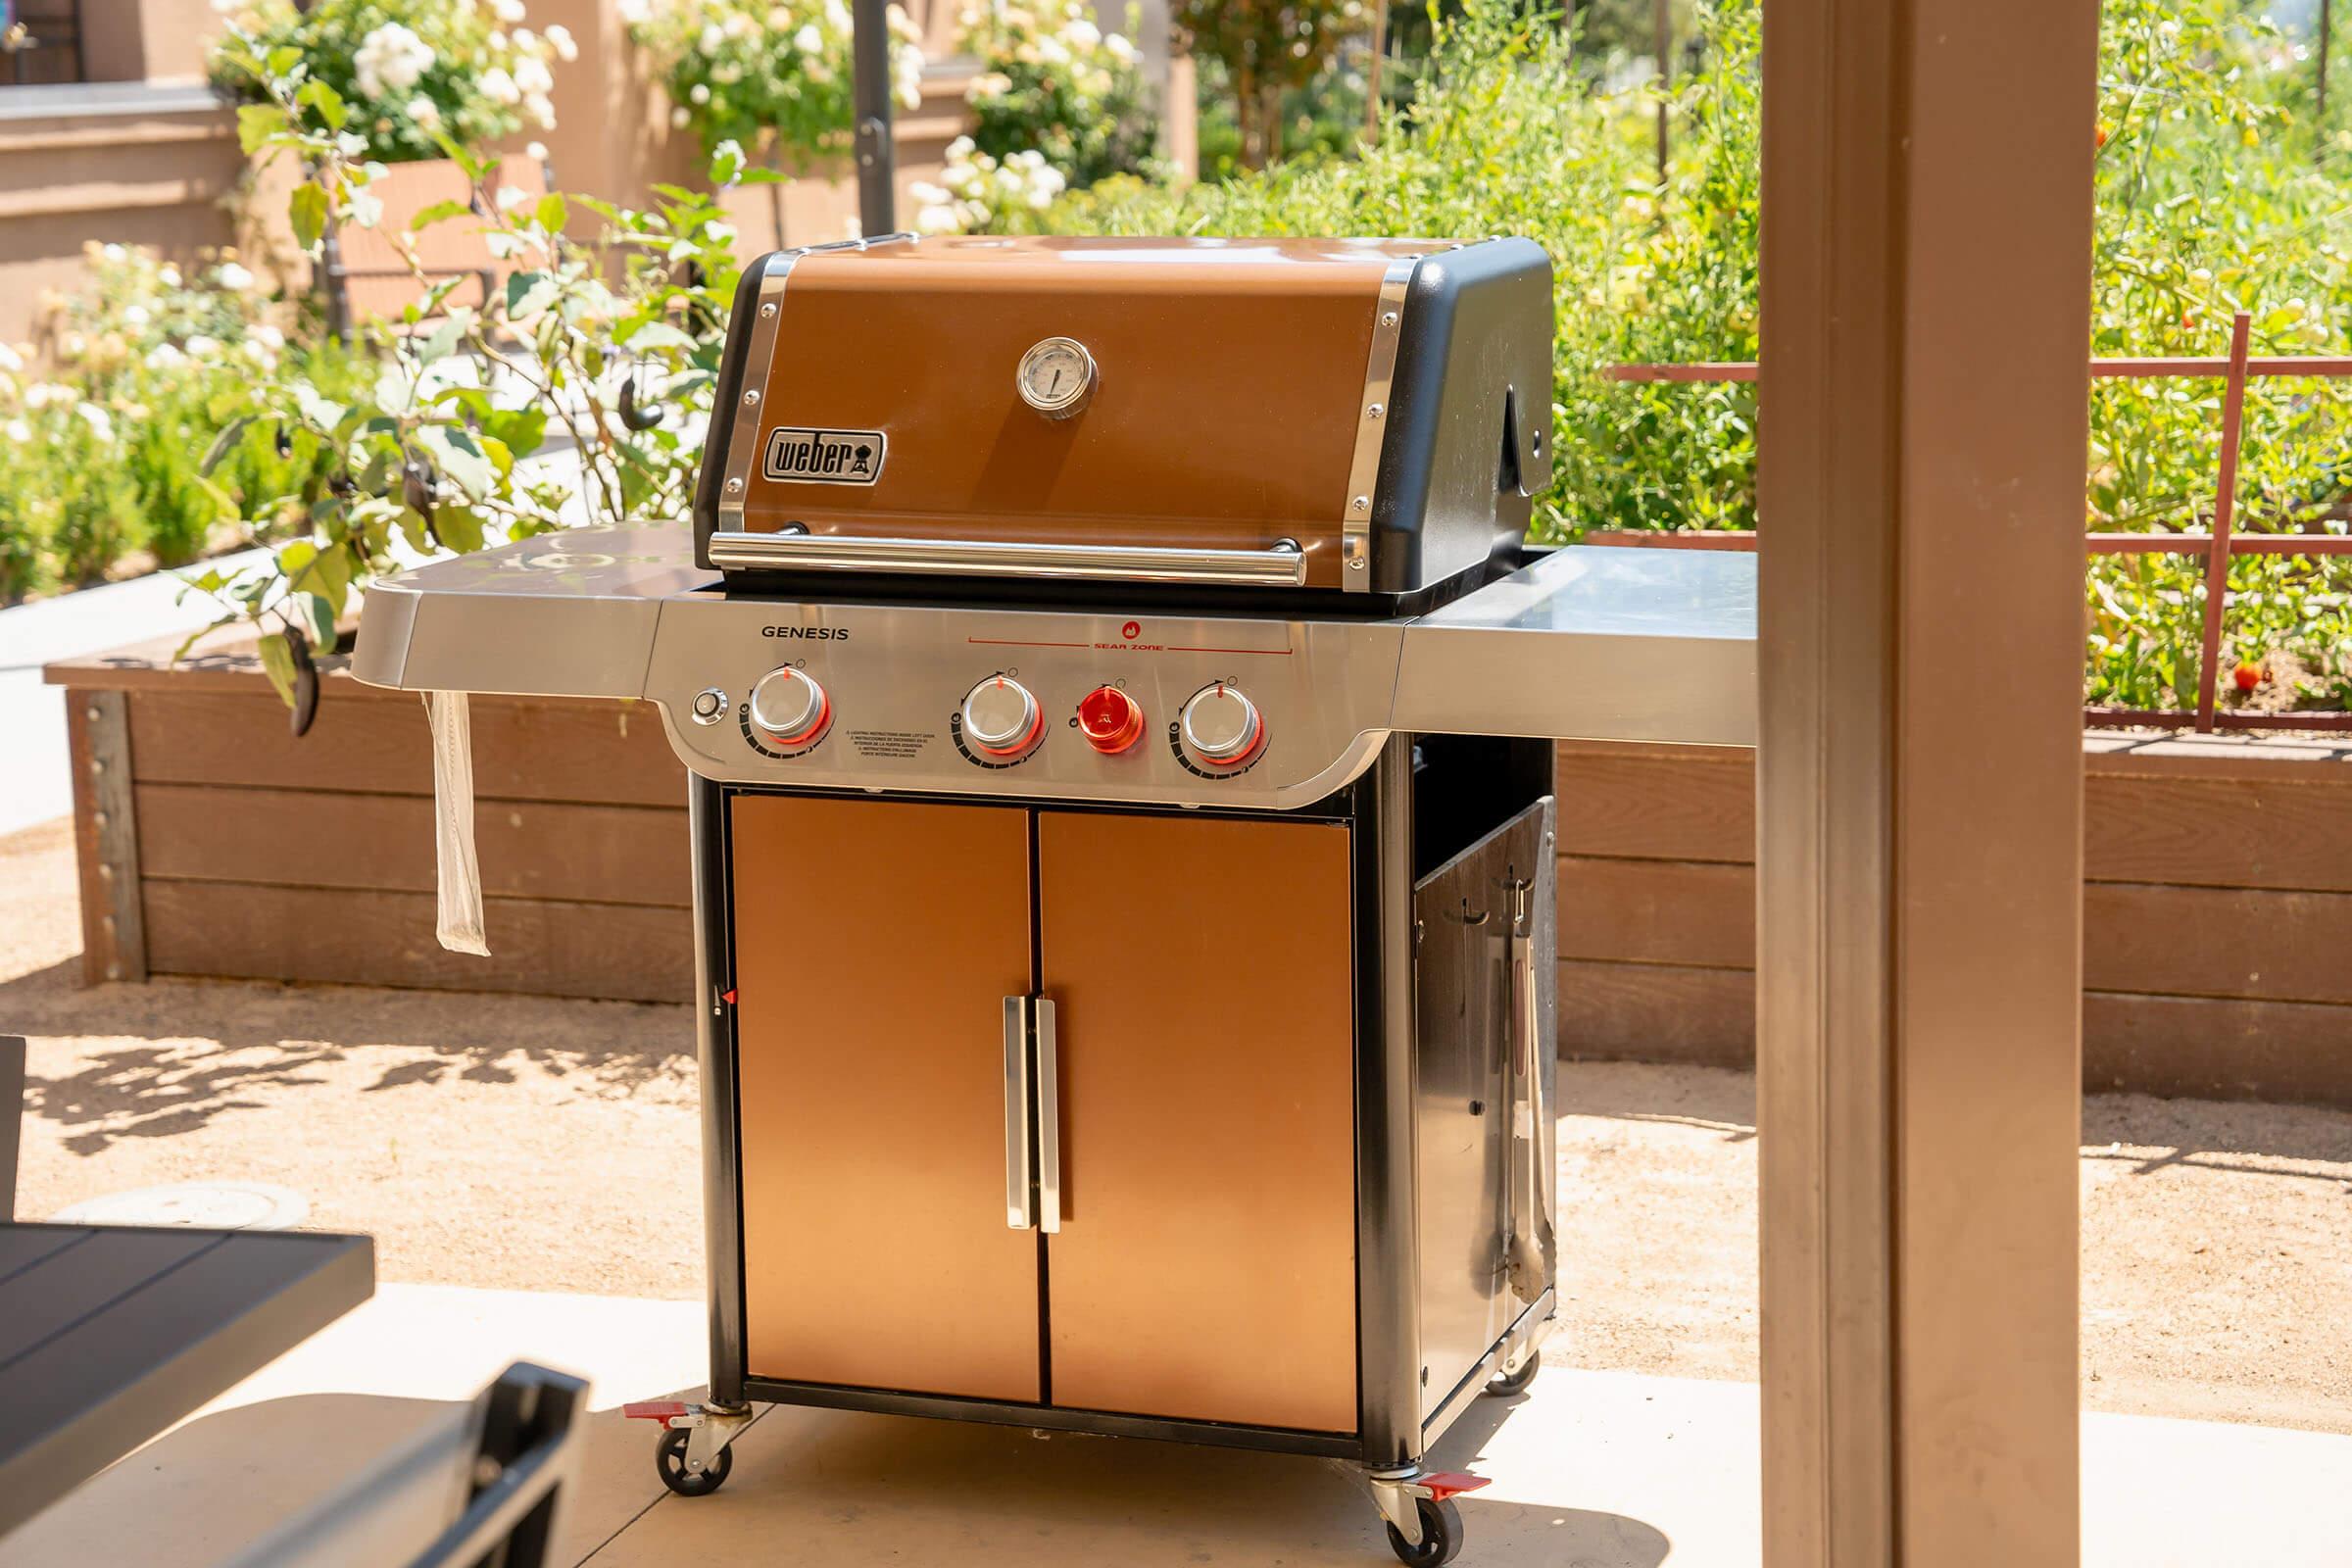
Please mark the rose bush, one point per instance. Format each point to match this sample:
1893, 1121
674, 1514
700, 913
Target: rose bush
108, 419
773, 78
409, 73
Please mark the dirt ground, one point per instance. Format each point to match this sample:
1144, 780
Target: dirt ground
537, 1144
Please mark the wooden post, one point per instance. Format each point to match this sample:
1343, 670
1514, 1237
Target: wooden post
113, 927
2224, 507
1926, 288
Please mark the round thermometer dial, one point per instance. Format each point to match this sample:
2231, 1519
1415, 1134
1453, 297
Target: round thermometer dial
1057, 378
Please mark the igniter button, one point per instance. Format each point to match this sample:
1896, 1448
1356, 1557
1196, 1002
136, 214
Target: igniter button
709, 706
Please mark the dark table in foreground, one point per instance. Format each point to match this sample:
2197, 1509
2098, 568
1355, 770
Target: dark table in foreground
107, 1335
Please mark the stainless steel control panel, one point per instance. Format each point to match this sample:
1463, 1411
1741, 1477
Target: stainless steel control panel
1605, 644
1006, 703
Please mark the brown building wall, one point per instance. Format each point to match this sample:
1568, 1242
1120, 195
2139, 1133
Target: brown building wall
138, 162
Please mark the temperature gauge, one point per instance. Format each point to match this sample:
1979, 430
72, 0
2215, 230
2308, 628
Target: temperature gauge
1057, 378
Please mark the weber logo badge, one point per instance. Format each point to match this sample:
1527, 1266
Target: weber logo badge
824, 456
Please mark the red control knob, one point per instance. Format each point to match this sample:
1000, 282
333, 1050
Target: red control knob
1111, 721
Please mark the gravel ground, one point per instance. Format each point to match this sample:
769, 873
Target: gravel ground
536, 1144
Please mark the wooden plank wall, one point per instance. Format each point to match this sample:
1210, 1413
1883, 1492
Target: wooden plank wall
261, 856
2217, 913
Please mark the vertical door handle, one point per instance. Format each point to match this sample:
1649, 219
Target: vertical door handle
1530, 1246
1021, 1212
1048, 1121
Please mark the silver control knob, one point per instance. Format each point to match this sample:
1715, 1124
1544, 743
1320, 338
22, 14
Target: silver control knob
709, 706
1221, 727
1001, 719
791, 706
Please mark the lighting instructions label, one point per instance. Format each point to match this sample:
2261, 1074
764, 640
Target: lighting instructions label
888, 742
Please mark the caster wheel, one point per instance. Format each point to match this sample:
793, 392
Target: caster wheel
669, 1458
1440, 1535
1503, 1384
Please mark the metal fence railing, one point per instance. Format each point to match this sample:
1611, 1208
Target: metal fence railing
2217, 545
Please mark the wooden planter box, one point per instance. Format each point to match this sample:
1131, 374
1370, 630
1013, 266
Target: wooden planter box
2217, 901
213, 843
2217, 908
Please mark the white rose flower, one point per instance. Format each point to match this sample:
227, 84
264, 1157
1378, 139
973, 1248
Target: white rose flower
112, 253
960, 149
509, 12
719, 233
391, 59
232, 277
1082, 34
263, 332
425, 112
259, 352
938, 217
526, 40
510, 197
167, 275
541, 109
1120, 49
100, 423
779, 18
713, 39
137, 315
536, 152
837, 15
500, 88
16, 431
202, 346
10, 360
532, 76
559, 38
699, 92
164, 356
739, 26
809, 40
679, 118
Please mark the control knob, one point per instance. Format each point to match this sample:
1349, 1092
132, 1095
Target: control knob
1221, 728
1002, 720
790, 707
1111, 721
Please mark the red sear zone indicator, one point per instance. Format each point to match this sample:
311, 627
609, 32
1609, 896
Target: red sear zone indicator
1111, 721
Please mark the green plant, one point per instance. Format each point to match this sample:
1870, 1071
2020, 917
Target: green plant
1265, 47
770, 76
404, 73
1052, 82
615, 342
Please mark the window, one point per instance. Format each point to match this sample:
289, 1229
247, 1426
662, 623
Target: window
40, 41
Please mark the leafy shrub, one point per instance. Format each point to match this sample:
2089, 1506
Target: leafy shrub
407, 73
1052, 82
770, 76
1265, 48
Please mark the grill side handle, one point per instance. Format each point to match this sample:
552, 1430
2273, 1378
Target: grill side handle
1282, 563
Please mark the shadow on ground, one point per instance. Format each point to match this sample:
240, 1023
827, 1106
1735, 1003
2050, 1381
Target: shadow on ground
167, 1056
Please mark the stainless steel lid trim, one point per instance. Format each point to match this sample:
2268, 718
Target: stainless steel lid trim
1371, 425
1281, 564
743, 435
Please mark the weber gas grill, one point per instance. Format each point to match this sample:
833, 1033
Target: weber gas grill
1118, 700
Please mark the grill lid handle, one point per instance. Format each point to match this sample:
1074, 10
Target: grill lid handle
1281, 564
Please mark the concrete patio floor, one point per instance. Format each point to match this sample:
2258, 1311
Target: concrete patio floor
1592, 1469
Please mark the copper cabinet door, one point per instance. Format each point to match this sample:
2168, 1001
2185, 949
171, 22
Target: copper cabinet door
1203, 979
875, 943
